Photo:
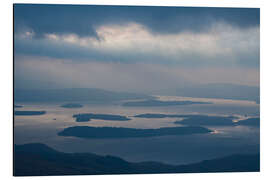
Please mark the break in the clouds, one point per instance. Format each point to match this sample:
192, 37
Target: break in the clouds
139, 47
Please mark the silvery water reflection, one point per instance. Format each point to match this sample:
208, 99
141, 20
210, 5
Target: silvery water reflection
169, 149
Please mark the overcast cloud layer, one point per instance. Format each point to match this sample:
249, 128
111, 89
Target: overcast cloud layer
134, 48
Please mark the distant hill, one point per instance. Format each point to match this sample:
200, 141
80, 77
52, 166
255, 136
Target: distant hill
153, 103
215, 90
224, 91
41, 160
74, 95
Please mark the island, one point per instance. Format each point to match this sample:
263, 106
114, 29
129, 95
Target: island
150, 115
71, 105
162, 103
38, 159
29, 113
195, 120
108, 117
200, 120
250, 122
119, 132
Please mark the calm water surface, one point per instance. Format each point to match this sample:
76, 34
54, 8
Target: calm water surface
169, 149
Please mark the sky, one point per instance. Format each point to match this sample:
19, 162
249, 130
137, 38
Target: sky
133, 48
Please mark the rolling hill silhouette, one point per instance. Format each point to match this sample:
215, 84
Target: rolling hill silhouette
41, 160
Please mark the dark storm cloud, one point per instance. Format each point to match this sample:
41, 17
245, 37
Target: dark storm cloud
51, 19
83, 20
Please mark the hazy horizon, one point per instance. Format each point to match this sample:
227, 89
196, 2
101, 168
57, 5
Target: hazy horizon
134, 48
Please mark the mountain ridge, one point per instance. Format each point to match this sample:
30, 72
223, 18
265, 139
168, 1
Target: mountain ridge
38, 159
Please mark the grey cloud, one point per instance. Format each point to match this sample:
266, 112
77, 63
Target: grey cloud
83, 20
227, 54
241, 52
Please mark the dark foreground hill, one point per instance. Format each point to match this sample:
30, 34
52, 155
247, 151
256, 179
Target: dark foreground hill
41, 160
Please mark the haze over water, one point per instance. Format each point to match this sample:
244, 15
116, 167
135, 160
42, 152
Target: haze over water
225, 140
